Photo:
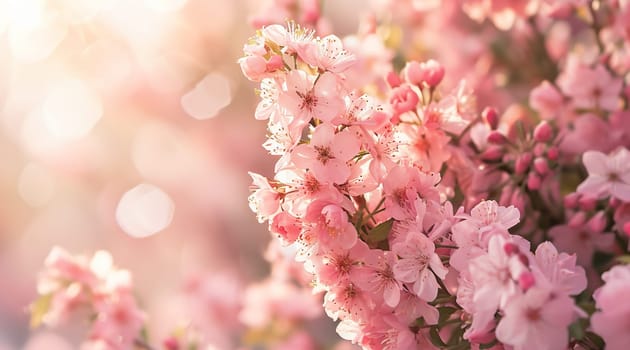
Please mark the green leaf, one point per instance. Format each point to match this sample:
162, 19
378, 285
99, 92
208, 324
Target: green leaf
381, 231
434, 336
577, 330
624, 259
445, 313
38, 309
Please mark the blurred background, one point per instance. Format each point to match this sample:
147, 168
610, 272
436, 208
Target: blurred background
126, 126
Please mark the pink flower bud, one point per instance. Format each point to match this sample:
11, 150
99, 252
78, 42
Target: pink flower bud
171, 343
434, 72
497, 138
587, 203
253, 67
598, 222
393, 80
522, 163
552, 153
506, 196
543, 132
526, 280
287, 227
541, 166
518, 201
578, 219
533, 182
492, 153
403, 99
539, 149
626, 228
430, 73
275, 63
571, 200
490, 115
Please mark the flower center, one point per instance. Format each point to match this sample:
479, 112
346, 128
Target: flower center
533, 314
309, 101
323, 154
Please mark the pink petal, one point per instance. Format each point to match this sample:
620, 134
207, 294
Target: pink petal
323, 135
391, 294
620, 190
345, 146
595, 163
595, 186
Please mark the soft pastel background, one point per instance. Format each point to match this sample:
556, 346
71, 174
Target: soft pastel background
126, 126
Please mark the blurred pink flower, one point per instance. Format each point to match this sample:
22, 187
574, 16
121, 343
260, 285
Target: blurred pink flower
608, 175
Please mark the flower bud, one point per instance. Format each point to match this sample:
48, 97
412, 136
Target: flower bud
541, 166
533, 182
492, 153
171, 343
497, 138
430, 73
543, 132
522, 163
275, 63
552, 153
393, 80
577, 220
587, 203
403, 99
626, 228
539, 149
253, 67
518, 201
598, 222
490, 115
571, 200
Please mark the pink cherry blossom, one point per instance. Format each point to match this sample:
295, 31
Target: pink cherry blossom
419, 264
582, 237
560, 269
377, 277
307, 98
537, 319
328, 154
328, 54
610, 321
591, 88
608, 175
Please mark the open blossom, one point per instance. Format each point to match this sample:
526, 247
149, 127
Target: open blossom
419, 265
582, 237
307, 98
328, 54
327, 154
608, 175
537, 319
611, 319
591, 88
559, 269
378, 277
97, 286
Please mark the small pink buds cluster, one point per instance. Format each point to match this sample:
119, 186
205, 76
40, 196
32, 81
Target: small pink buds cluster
71, 284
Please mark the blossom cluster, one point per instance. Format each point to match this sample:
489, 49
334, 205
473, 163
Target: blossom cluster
94, 287
358, 191
454, 175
